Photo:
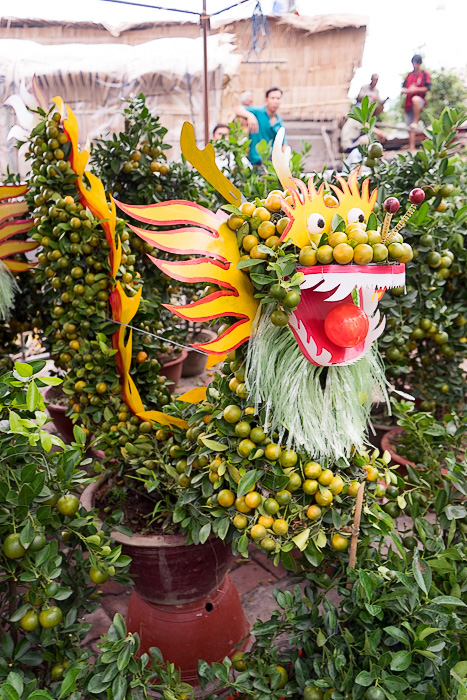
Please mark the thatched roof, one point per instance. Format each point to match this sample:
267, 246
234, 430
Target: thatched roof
302, 23
308, 24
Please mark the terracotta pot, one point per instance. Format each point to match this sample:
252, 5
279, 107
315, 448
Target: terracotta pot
210, 628
182, 601
388, 441
62, 422
195, 362
173, 370
166, 570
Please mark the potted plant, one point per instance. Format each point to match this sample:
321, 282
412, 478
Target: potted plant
421, 441
53, 553
78, 271
326, 656
243, 436
133, 167
116, 668
408, 599
426, 325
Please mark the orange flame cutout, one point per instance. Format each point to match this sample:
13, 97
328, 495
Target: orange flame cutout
209, 236
123, 307
308, 201
11, 225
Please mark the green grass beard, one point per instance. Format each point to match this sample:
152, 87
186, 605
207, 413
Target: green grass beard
324, 411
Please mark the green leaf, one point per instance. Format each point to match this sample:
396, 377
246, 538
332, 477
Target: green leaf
422, 573
401, 660
8, 692
51, 381
234, 473
233, 210
248, 263
23, 369
119, 623
460, 669
33, 396
16, 681
426, 632
46, 440
19, 612
398, 634
448, 600
204, 533
301, 540
365, 580
395, 684
261, 279
320, 539
321, 640
372, 222
247, 481
422, 213
97, 685
124, 656
367, 678
69, 682
323, 240
214, 445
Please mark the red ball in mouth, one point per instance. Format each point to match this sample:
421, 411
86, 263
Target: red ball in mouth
346, 325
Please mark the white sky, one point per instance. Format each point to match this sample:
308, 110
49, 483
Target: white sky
396, 29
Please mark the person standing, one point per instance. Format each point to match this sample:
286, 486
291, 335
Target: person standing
415, 87
263, 122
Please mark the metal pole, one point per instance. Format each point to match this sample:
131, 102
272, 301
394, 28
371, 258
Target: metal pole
204, 21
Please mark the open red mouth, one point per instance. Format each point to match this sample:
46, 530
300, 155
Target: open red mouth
327, 287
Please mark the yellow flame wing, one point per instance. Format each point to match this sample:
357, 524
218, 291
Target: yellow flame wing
210, 236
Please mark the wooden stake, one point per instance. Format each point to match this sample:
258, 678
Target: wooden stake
356, 525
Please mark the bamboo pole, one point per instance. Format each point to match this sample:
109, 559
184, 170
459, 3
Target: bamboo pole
204, 21
356, 525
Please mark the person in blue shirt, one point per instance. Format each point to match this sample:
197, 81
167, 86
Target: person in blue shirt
263, 122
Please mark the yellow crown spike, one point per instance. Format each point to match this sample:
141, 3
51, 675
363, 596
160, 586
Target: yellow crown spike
205, 163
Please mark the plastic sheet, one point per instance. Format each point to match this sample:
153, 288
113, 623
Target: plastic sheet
94, 78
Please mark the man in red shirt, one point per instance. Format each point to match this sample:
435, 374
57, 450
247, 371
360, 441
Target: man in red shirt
415, 87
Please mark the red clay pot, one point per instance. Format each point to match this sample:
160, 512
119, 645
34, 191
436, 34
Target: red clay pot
209, 628
169, 572
195, 362
182, 602
173, 370
61, 421
388, 441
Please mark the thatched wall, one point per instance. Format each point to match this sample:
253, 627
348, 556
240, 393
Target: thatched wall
313, 60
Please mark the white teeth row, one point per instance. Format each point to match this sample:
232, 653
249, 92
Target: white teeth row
369, 303
345, 282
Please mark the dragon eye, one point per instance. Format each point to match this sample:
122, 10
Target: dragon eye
355, 216
316, 223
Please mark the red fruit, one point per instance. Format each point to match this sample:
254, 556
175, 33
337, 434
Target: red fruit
391, 205
346, 325
416, 196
